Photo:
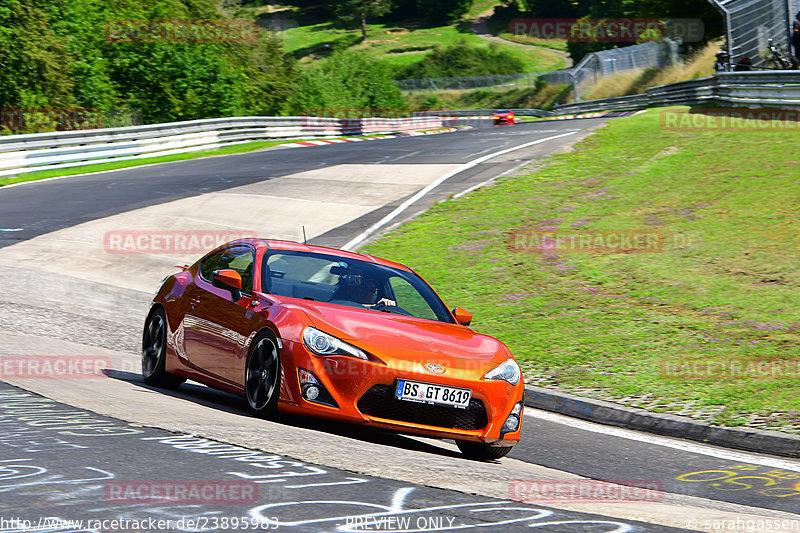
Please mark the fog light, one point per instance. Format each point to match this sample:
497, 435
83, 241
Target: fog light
311, 392
511, 424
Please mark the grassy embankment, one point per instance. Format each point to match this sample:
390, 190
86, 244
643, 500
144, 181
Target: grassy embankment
611, 324
400, 46
699, 65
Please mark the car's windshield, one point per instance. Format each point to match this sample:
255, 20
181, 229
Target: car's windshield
350, 282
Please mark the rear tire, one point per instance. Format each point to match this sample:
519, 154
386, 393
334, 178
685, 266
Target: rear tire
262, 379
154, 353
482, 452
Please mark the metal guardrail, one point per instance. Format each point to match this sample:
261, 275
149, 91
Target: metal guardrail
40, 151
752, 89
498, 82
485, 113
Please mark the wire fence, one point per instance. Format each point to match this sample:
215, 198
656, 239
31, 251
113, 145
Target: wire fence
655, 54
750, 24
497, 83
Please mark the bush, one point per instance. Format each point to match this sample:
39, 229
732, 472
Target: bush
461, 59
55, 55
346, 80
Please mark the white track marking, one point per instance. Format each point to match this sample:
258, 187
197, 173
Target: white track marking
405, 205
728, 455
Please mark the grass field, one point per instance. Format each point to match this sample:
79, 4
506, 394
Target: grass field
522, 97
500, 27
704, 320
401, 46
479, 7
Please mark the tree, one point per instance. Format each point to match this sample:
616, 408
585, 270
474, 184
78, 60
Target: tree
616, 9
354, 11
442, 11
35, 63
56, 54
346, 81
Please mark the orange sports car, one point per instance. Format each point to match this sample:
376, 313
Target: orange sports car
335, 334
504, 116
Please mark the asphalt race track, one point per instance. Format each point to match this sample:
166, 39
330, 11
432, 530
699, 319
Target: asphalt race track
105, 472
79, 449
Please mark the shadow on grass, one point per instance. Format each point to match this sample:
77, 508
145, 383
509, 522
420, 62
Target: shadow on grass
463, 27
320, 50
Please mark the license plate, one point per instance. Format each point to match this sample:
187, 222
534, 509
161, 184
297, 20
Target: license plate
414, 391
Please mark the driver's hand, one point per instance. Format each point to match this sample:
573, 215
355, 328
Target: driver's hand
384, 302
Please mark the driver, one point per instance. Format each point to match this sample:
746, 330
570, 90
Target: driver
367, 295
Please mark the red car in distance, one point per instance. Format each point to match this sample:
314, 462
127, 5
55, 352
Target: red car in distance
335, 334
504, 116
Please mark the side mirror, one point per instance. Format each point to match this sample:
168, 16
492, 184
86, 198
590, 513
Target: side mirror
462, 317
230, 280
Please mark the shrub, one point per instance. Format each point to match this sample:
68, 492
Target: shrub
461, 59
346, 80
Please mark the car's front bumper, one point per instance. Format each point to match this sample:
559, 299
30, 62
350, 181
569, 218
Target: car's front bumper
363, 392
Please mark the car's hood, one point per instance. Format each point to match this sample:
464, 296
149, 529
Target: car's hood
397, 334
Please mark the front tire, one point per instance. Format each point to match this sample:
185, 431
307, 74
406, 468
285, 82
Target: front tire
262, 380
154, 353
482, 452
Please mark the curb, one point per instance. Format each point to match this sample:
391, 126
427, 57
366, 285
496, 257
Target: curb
322, 142
602, 412
603, 114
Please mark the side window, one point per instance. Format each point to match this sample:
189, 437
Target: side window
208, 266
238, 258
409, 299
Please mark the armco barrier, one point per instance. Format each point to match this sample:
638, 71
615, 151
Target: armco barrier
750, 89
40, 151
485, 113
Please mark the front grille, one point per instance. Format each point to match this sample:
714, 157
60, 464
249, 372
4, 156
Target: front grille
379, 401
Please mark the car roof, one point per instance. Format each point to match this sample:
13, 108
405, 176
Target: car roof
274, 244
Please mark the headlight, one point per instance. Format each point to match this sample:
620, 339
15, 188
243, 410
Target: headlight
323, 344
506, 371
